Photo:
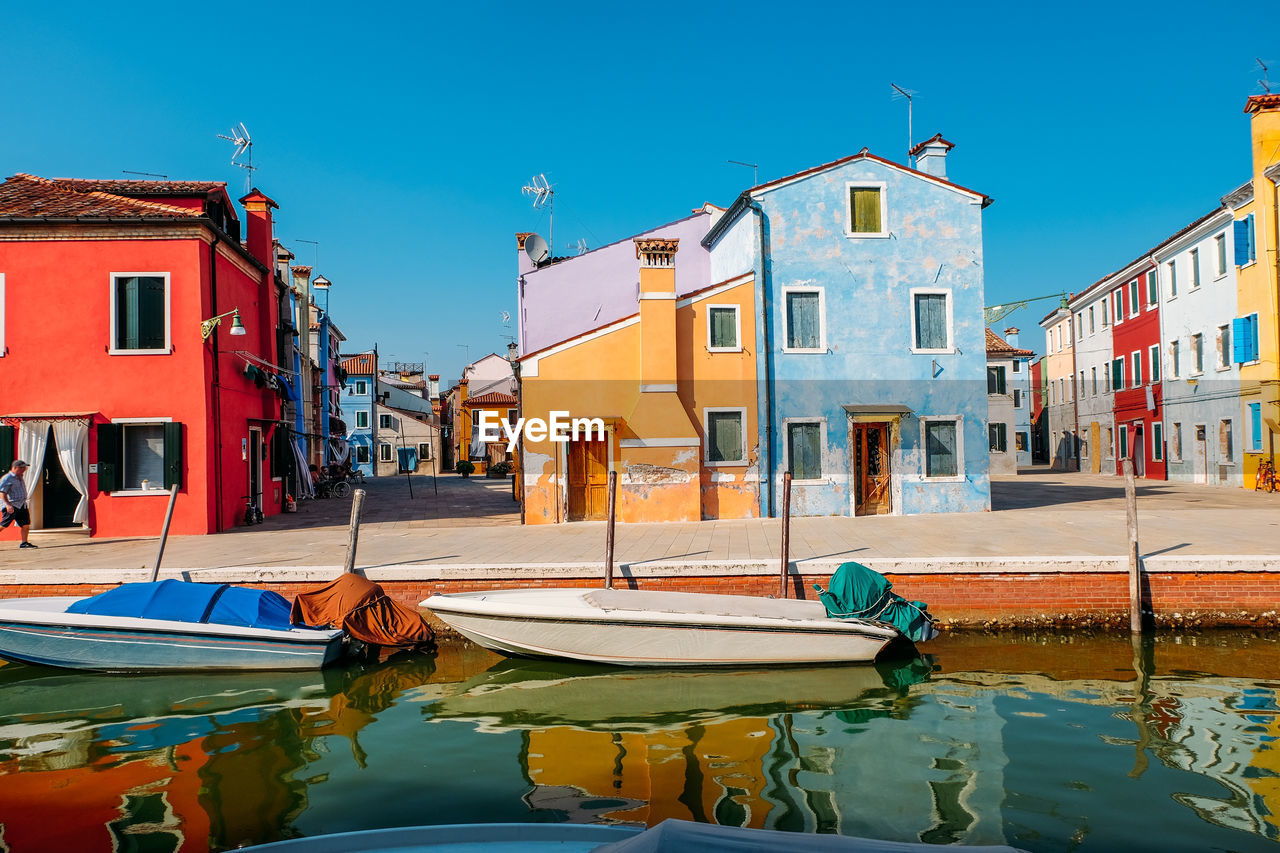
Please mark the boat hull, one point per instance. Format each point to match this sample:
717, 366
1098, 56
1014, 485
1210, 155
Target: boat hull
542, 624
34, 632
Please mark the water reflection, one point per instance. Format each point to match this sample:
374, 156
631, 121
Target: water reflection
1048, 742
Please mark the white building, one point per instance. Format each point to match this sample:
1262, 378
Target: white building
1008, 403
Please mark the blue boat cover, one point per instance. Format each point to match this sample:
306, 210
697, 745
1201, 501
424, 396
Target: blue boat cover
184, 601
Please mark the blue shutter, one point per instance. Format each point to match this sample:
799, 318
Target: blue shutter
1240, 340
1255, 426
1253, 337
1241, 233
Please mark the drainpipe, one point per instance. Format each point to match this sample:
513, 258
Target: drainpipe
217, 389
763, 275
1075, 392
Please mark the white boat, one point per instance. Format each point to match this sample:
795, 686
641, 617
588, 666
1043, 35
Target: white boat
658, 628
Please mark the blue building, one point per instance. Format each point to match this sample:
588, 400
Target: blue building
871, 349
358, 407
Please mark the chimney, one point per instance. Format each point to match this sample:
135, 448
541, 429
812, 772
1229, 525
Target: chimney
657, 311
1011, 336
433, 386
1264, 124
259, 236
931, 156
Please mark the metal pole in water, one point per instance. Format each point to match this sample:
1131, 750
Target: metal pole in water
1135, 564
608, 542
357, 505
786, 533
164, 531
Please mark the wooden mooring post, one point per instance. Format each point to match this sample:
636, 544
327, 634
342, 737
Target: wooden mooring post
164, 531
357, 506
608, 541
1135, 562
786, 534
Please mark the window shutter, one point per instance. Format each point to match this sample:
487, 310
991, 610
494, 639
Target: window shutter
1241, 233
1252, 337
7, 452
1240, 342
1255, 426
150, 327
127, 313
172, 455
109, 438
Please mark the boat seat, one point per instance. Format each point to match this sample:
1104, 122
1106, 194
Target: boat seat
707, 604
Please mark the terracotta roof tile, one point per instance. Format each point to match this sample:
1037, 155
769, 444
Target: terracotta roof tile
28, 197
997, 345
359, 365
492, 399
119, 187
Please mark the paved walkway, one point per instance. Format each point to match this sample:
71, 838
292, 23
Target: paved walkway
1076, 519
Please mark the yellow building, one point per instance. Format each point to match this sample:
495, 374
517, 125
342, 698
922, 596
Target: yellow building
673, 389
1058, 368
1258, 292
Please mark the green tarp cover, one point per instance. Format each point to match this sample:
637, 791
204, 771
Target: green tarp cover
856, 592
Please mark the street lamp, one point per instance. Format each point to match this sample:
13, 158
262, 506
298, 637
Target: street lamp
237, 327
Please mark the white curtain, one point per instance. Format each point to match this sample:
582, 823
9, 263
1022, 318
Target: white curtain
304, 472
73, 442
33, 439
340, 448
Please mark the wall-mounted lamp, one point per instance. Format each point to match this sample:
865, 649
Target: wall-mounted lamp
237, 328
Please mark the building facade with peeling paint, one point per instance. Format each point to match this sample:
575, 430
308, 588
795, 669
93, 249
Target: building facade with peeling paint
870, 334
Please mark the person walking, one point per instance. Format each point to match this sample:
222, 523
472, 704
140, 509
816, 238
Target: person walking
13, 498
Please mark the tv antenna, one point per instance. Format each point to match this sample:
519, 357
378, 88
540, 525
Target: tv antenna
1265, 82
582, 246
146, 174
544, 196
244, 148
755, 171
506, 318
466, 348
908, 94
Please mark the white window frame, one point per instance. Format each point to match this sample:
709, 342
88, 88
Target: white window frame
1135, 298
958, 420
1157, 441
158, 490
1117, 306
884, 208
1135, 369
1194, 256
1092, 325
358, 449
424, 456
1155, 366
1093, 377
1229, 452
387, 457
1171, 267
1177, 444
361, 387
364, 425
168, 315
737, 326
1225, 355
1221, 255
822, 449
822, 318
385, 422
951, 329
706, 432
1153, 290
1196, 369
1175, 359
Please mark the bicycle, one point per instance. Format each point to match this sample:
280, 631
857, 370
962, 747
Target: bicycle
1266, 479
252, 513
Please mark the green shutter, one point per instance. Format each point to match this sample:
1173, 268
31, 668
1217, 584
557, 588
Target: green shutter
172, 454
109, 438
151, 313
7, 454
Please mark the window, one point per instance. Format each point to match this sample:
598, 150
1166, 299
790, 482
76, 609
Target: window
1157, 442
1111, 444
1080, 327
1137, 369
1048, 342
804, 450
384, 422
1091, 324
361, 387
512, 417
1224, 347
1084, 448
362, 454
1080, 387
724, 332
1175, 443
804, 319
1117, 305
424, 450
1154, 355
866, 210
941, 448
1093, 377
1175, 360
1134, 306
1052, 400
1153, 290
139, 454
1225, 445
384, 452
995, 379
1117, 374
1197, 353
362, 420
1020, 440
725, 430
1246, 339
139, 313
1195, 270
1246, 251
1172, 269
1124, 442
142, 461
1104, 313
1017, 398
1220, 243
996, 438
1017, 366
1255, 427
931, 320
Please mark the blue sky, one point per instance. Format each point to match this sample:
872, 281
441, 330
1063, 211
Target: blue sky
399, 136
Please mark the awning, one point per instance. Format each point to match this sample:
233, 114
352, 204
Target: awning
59, 416
878, 409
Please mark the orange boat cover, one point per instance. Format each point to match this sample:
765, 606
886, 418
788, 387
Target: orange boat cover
358, 606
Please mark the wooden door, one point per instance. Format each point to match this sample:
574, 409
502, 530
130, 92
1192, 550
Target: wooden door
588, 480
871, 480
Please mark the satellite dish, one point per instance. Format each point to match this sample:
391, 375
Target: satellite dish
536, 248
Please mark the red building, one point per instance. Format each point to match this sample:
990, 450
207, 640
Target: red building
1135, 374
117, 377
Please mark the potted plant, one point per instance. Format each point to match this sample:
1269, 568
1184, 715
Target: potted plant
464, 467
499, 470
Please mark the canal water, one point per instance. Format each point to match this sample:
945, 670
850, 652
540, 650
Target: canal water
1049, 742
